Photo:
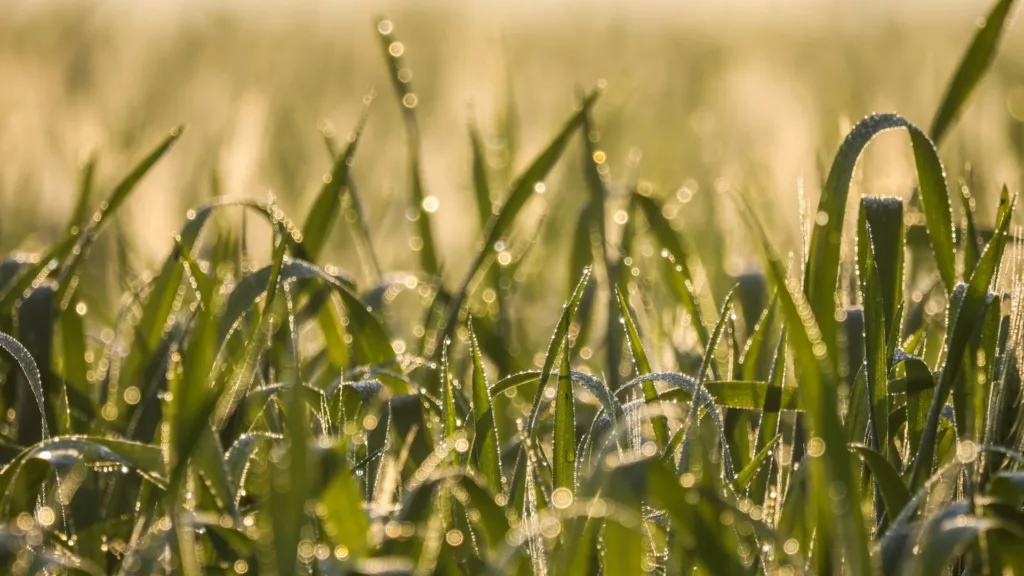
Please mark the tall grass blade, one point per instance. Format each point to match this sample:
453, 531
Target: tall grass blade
830, 465
961, 327
324, 211
486, 452
975, 63
401, 77
642, 365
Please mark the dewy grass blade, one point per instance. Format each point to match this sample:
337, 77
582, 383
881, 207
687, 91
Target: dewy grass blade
884, 218
875, 362
564, 447
822, 273
324, 211
961, 327
643, 366
486, 451
970, 240
830, 465
894, 493
72, 266
31, 371
557, 340
500, 225
679, 261
401, 77
977, 59
706, 363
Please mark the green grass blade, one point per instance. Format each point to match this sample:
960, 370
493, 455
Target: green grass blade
894, 493
345, 520
47, 263
525, 186
884, 216
290, 476
875, 362
486, 455
449, 418
831, 469
85, 188
35, 381
557, 340
920, 387
742, 482
407, 100
324, 211
822, 270
756, 360
35, 331
564, 457
971, 241
72, 266
642, 365
961, 328
976, 60
679, 261
481, 187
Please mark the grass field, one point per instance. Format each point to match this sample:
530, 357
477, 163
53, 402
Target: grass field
594, 295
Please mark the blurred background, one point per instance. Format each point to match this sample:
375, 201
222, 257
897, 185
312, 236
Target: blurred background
700, 97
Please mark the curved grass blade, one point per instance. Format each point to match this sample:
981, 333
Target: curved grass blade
705, 365
894, 493
822, 271
976, 61
370, 339
32, 376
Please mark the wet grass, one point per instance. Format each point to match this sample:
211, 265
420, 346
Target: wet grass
825, 411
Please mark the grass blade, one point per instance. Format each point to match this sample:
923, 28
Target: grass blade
642, 365
324, 211
817, 394
557, 340
31, 372
894, 493
961, 328
822, 271
486, 447
976, 61
525, 186
407, 100
875, 361
564, 465
72, 266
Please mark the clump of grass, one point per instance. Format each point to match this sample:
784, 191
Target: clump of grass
237, 419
